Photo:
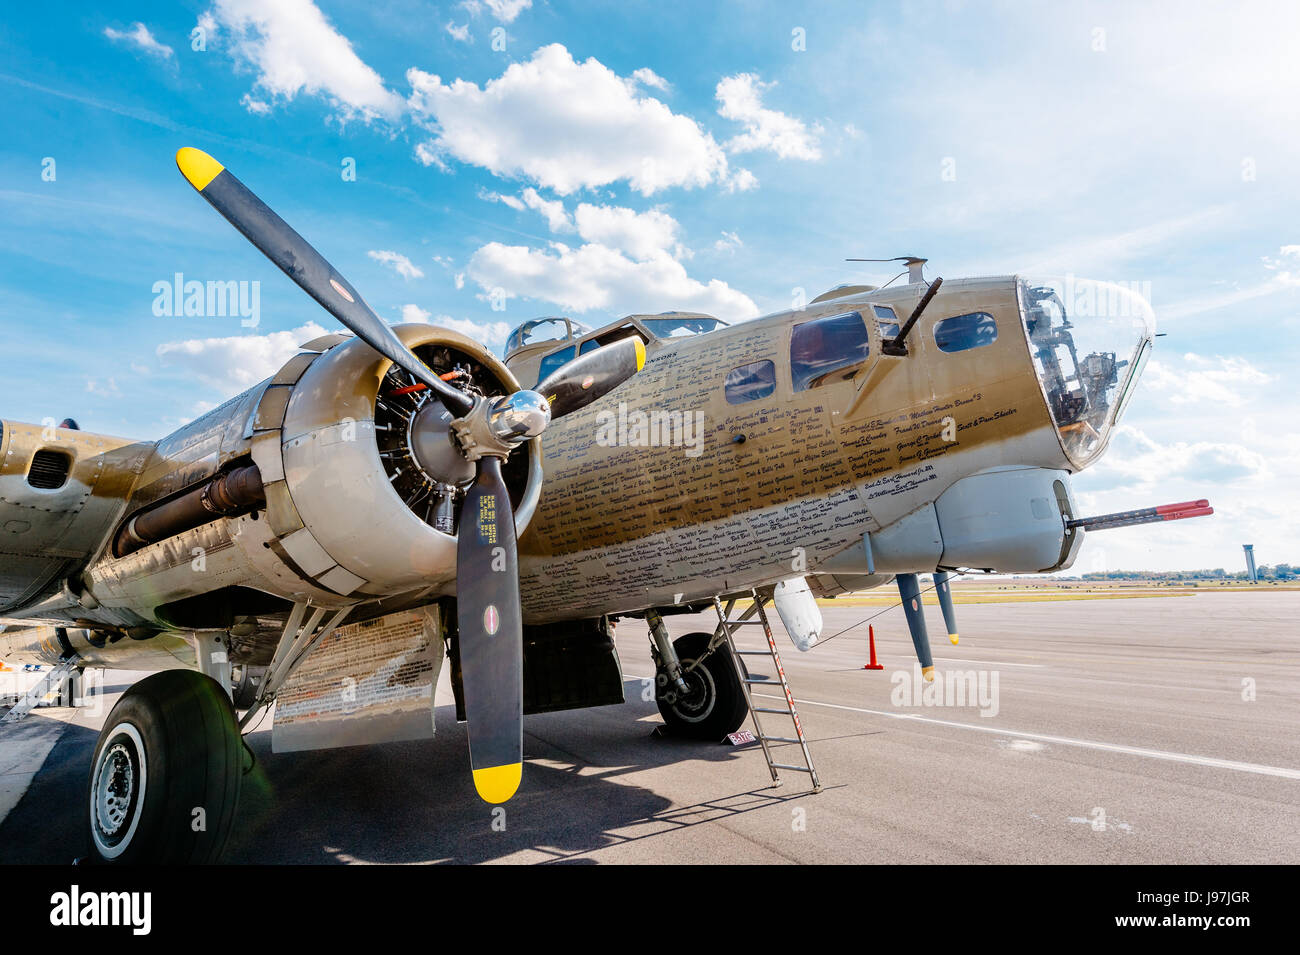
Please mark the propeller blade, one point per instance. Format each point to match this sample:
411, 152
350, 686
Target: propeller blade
591, 376
909, 588
943, 590
295, 256
491, 634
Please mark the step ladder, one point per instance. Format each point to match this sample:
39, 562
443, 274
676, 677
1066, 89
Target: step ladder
53, 680
756, 615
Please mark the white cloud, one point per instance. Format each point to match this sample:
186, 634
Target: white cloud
1136, 461
397, 262
232, 364
1116, 251
1285, 265
1203, 303
742, 181
293, 48
460, 280
640, 234
140, 37
503, 10
564, 125
1284, 277
460, 34
103, 389
741, 97
512, 201
427, 153
1220, 381
489, 335
258, 107
648, 77
553, 209
729, 242
597, 277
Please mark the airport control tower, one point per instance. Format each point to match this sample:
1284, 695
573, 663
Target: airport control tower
1250, 562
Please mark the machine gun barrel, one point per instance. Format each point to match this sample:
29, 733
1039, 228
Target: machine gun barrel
1144, 515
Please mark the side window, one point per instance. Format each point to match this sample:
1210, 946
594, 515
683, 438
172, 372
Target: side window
886, 320
965, 331
748, 382
827, 349
554, 361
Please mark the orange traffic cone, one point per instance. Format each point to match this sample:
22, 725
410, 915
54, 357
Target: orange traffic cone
871, 638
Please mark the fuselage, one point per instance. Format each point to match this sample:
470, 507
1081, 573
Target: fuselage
783, 482
734, 459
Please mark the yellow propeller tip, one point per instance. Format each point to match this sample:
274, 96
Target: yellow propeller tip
928, 673
640, 353
197, 166
953, 638
497, 784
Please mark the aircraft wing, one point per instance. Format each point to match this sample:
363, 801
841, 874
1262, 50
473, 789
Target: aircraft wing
61, 492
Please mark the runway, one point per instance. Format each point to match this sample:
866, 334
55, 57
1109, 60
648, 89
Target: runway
1119, 731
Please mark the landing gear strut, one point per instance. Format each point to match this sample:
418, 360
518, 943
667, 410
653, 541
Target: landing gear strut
165, 778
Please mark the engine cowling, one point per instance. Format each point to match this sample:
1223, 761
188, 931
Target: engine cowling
354, 473
346, 514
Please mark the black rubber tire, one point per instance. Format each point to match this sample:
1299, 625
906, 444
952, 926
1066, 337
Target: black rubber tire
719, 706
193, 759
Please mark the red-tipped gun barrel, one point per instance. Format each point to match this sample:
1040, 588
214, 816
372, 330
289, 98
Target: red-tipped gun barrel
1145, 515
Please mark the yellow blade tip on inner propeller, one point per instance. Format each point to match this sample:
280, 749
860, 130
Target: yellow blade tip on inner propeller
197, 166
496, 784
953, 638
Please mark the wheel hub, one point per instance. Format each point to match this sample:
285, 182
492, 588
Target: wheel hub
115, 789
697, 702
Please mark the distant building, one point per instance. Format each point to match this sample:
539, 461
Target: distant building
1251, 574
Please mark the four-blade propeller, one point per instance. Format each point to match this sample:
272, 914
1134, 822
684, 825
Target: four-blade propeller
489, 618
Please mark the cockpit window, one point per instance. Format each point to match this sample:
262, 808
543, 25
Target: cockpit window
749, 382
963, 332
886, 321
544, 330
678, 327
553, 361
827, 349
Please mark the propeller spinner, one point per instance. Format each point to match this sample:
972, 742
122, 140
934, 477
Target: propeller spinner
487, 430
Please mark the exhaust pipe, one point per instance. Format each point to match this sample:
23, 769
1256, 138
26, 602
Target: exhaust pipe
227, 495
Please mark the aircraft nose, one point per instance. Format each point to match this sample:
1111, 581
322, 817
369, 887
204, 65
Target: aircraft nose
1089, 341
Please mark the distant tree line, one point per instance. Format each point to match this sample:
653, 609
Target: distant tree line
1264, 572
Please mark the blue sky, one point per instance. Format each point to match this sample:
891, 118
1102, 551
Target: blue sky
597, 159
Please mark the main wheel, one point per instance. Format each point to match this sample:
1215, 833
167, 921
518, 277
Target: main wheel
715, 704
165, 778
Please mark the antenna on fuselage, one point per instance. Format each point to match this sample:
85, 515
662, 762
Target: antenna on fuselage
914, 266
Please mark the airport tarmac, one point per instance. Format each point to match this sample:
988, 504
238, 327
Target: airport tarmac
1128, 730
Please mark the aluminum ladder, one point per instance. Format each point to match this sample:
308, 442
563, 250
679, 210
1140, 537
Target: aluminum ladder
53, 680
756, 615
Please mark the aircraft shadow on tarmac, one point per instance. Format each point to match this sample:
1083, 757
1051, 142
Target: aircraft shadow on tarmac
414, 802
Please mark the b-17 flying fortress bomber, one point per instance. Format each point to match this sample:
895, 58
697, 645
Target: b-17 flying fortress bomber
401, 501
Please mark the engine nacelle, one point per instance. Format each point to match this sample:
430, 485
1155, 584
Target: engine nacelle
348, 510
349, 503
